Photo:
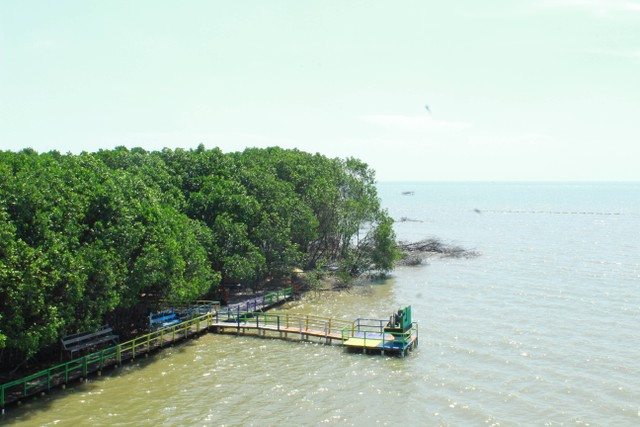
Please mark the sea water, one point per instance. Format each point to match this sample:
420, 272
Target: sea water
542, 328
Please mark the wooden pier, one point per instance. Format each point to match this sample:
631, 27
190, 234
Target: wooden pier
366, 335
281, 325
398, 335
78, 369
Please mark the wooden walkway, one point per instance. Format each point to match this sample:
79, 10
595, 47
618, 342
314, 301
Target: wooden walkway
373, 335
80, 368
282, 325
365, 335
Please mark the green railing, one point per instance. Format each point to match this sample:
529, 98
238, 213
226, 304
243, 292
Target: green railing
82, 366
318, 326
279, 295
373, 330
264, 301
57, 375
192, 309
161, 337
285, 322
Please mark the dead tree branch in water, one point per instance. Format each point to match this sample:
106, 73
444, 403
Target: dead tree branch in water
416, 252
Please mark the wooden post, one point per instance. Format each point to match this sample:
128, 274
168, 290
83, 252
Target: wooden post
119, 354
326, 331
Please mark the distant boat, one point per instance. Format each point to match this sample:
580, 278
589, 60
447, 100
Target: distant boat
408, 193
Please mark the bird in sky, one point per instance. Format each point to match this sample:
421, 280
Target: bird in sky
428, 109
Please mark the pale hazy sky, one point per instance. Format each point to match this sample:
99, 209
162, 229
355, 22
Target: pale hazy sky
518, 89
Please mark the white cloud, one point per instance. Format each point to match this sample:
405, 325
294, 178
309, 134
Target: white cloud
44, 43
633, 55
598, 7
414, 123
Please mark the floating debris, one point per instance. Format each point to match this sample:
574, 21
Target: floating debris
407, 219
415, 253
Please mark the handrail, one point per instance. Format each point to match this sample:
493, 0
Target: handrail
285, 322
404, 338
48, 376
51, 375
258, 303
305, 324
115, 353
190, 303
198, 307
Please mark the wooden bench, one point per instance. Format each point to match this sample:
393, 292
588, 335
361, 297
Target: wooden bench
83, 340
163, 319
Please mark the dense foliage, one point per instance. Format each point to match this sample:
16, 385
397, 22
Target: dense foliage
84, 235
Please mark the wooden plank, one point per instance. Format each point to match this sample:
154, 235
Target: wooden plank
273, 328
362, 343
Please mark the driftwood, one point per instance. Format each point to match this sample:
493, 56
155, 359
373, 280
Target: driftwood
415, 253
406, 219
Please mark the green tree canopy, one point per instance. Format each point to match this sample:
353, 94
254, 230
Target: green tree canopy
83, 236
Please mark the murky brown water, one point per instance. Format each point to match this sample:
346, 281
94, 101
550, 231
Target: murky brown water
542, 329
228, 380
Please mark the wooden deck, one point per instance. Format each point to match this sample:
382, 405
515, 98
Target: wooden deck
362, 334
387, 344
80, 368
284, 326
275, 332
366, 335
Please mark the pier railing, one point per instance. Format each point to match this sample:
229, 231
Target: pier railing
80, 367
194, 308
97, 361
373, 330
261, 302
285, 322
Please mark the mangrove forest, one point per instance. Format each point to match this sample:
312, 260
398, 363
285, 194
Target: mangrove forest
101, 237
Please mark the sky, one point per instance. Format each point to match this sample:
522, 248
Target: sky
518, 90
